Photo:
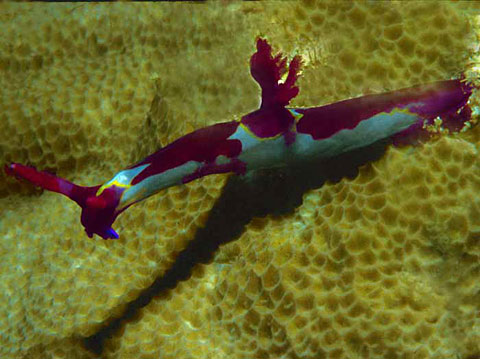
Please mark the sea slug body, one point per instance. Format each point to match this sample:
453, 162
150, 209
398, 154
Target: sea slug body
272, 136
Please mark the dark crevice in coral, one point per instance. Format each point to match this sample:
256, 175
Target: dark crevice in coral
275, 192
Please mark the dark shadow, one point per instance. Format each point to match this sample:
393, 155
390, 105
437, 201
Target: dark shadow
266, 192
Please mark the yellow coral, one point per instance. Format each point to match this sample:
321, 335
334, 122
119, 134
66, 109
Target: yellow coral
362, 267
382, 265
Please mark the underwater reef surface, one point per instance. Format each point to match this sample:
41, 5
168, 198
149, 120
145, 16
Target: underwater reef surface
383, 263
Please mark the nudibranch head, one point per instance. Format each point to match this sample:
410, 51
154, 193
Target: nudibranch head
99, 213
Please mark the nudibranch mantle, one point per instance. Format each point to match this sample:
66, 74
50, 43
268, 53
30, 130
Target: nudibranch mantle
272, 136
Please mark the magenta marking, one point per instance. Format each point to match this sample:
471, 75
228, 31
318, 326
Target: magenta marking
203, 145
265, 123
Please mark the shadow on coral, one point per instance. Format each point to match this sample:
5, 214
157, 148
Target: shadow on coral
274, 192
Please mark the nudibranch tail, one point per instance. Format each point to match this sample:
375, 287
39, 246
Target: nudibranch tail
402, 115
440, 106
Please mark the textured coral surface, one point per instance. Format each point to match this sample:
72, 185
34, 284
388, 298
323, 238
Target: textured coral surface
385, 265
382, 265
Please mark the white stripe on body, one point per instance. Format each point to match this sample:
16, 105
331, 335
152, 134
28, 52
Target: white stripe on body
260, 153
367, 132
153, 184
268, 153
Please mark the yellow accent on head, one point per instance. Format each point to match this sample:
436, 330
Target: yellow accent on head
110, 184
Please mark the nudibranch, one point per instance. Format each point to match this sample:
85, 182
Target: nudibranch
275, 135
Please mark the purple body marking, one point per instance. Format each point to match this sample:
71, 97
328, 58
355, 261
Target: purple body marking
203, 145
271, 136
428, 101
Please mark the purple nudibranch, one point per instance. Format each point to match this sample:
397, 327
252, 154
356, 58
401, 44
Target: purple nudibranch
272, 136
